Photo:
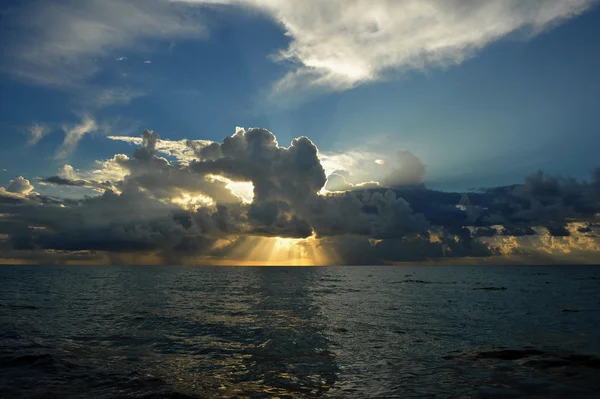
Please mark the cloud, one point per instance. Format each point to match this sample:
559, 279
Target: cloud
373, 214
151, 207
68, 172
58, 43
73, 134
356, 170
17, 191
185, 151
337, 182
340, 44
350, 161
107, 96
283, 178
36, 133
290, 174
20, 185
61, 181
410, 171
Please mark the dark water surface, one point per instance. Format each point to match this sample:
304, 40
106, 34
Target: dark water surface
344, 332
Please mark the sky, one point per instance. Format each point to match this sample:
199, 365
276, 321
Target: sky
299, 131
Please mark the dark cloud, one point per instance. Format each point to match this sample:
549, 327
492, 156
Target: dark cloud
367, 213
291, 174
517, 231
557, 230
210, 152
61, 181
188, 210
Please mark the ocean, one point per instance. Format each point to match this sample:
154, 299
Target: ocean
299, 332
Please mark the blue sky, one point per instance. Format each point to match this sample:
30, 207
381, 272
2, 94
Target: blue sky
518, 103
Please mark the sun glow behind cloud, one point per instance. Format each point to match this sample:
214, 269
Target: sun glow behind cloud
243, 190
275, 251
192, 201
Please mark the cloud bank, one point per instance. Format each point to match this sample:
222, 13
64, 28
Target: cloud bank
148, 206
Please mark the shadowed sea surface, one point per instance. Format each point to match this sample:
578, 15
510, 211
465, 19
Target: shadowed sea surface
333, 332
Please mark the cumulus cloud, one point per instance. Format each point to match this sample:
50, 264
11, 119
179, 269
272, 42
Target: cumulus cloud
337, 182
20, 185
290, 174
167, 209
283, 178
68, 172
355, 170
340, 44
17, 191
335, 45
359, 164
410, 171
184, 151
61, 181
377, 215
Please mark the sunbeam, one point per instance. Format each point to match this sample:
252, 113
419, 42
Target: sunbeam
277, 251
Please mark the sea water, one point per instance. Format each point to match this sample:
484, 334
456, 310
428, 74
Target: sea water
299, 332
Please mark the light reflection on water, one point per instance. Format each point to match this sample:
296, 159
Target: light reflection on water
299, 332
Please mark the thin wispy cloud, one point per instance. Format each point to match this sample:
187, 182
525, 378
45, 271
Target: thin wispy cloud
335, 45
339, 44
59, 43
74, 134
20, 185
37, 132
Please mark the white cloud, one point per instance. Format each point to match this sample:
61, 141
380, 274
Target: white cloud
182, 150
73, 134
121, 58
109, 170
36, 133
360, 165
60, 42
338, 44
68, 172
20, 185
